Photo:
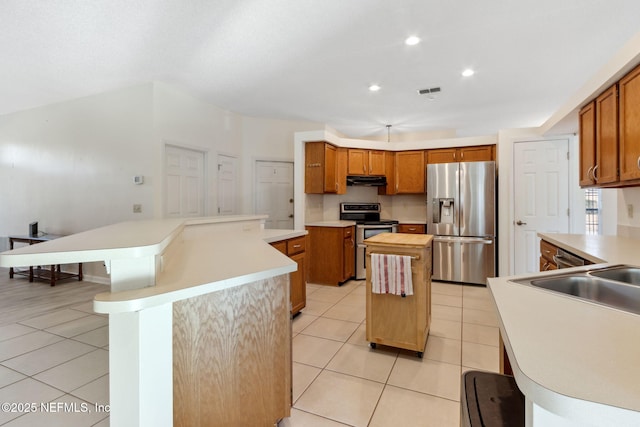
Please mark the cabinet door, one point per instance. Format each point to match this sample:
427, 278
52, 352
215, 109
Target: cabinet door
606, 169
314, 167
410, 172
630, 126
482, 153
587, 144
298, 284
377, 163
349, 255
330, 169
341, 170
390, 172
442, 155
357, 162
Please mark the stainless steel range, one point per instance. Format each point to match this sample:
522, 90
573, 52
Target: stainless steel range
368, 224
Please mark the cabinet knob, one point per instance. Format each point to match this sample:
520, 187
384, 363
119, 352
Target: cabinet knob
638, 162
590, 173
595, 177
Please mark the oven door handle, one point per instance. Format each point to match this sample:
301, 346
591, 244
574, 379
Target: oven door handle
376, 226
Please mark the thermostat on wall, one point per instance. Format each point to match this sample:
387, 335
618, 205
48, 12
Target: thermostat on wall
138, 179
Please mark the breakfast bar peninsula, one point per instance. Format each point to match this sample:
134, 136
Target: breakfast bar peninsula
199, 317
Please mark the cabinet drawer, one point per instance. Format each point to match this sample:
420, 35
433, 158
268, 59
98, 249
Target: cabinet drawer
547, 251
411, 228
296, 245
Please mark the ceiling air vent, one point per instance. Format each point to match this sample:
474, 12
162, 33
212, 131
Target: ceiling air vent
430, 90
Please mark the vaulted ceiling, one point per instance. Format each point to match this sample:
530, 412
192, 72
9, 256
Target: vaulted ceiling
315, 59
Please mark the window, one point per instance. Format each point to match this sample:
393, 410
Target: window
592, 210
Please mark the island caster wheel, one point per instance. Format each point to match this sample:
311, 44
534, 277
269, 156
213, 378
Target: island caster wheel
419, 354
373, 345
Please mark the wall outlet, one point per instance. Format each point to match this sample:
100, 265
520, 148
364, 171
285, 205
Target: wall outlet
137, 208
630, 210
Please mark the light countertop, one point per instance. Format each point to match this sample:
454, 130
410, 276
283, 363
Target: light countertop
193, 256
336, 223
571, 357
598, 249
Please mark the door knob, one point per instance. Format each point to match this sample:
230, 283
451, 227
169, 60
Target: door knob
291, 216
521, 223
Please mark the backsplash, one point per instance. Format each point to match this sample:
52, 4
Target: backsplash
408, 208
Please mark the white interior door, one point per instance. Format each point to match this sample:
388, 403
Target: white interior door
274, 193
541, 188
184, 179
227, 172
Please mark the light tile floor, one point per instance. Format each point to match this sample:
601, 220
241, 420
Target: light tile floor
338, 380
59, 362
61, 356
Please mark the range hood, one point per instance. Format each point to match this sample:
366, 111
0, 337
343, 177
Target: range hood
369, 181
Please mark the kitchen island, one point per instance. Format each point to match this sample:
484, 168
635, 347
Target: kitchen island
574, 361
199, 320
395, 320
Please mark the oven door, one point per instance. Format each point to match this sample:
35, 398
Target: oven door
363, 232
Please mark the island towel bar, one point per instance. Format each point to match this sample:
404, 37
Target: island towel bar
413, 257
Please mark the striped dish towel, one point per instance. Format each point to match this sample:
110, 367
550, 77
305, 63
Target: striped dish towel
391, 274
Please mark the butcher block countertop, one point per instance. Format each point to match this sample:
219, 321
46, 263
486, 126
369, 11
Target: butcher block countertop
400, 239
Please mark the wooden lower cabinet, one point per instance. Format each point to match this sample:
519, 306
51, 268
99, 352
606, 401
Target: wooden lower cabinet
547, 252
296, 250
331, 253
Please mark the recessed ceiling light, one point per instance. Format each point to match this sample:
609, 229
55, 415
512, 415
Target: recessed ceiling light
468, 72
374, 88
412, 40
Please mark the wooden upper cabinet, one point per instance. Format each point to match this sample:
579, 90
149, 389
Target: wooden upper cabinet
321, 169
357, 161
587, 144
442, 155
481, 153
606, 169
629, 128
390, 172
410, 172
366, 162
377, 162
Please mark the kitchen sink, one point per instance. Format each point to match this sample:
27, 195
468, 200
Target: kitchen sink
613, 287
621, 273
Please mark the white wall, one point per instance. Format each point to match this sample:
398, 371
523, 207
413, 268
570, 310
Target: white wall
70, 166
267, 140
629, 226
183, 120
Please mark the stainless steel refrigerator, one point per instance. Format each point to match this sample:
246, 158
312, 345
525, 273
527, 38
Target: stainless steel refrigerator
461, 206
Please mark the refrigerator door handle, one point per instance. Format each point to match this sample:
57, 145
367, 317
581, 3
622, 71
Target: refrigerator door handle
463, 240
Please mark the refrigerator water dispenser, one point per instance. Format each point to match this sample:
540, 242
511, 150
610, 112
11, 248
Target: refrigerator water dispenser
443, 212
